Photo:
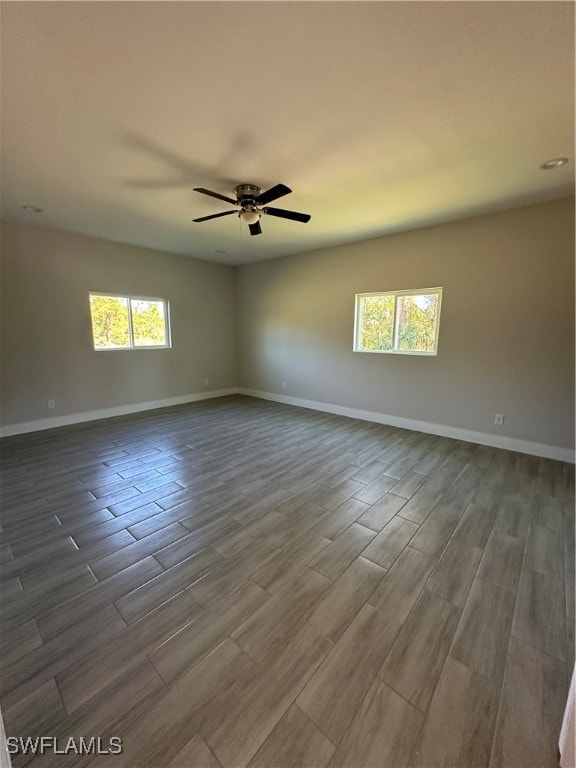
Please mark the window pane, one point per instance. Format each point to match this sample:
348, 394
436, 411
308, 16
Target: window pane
377, 323
148, 323
109, 321
416, 318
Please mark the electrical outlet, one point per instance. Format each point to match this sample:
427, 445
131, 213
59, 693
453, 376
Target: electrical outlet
284, 385
51, 403
499, 418
205, 382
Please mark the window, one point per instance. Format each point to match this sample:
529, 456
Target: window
129, 322
401, 322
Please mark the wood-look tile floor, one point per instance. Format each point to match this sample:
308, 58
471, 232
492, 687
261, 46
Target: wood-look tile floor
242, 583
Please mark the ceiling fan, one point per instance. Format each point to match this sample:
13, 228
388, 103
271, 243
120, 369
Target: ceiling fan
252, 200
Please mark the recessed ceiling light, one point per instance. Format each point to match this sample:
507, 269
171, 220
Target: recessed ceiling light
32, 209
556, 162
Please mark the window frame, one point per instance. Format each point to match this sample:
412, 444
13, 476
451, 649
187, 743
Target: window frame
357, 347
130, 299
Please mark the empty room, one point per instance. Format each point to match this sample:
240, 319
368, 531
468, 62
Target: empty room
287, 384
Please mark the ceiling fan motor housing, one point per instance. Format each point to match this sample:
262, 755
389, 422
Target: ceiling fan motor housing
246, 194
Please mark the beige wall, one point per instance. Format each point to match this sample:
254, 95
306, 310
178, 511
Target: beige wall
46, 339
506, 335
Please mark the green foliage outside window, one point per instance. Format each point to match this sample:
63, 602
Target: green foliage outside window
417, 322
148, 323
378, 322
109, 321
119, 322
398, 322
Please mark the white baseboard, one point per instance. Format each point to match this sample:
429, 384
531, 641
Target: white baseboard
496, 441
106, 413
469, 436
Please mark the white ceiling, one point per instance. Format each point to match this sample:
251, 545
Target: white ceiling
381, 116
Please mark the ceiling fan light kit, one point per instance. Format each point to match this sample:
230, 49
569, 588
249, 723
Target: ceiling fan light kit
250, 216
252, 200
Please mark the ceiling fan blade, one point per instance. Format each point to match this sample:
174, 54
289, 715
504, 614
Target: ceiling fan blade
216, 195
282, 214
279, 190
214, 216
255, 229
